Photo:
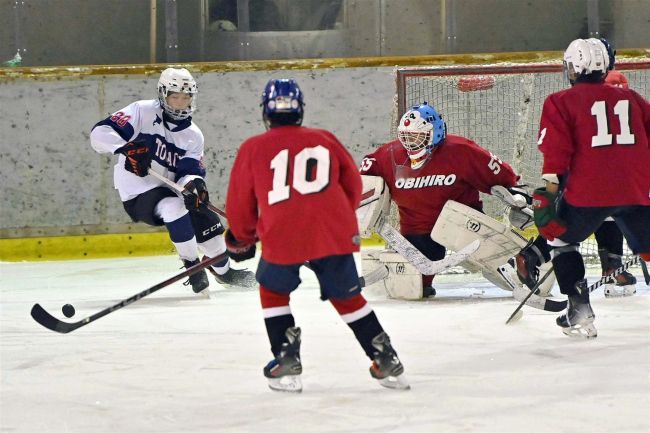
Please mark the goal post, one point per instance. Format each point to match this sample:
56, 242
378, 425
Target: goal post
499, 107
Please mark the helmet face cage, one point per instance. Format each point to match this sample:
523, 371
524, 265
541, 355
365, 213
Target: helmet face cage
584, 57
282, 102
420, 130
177, 81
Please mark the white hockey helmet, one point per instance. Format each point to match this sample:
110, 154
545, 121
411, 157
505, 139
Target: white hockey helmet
177, 81
584, 57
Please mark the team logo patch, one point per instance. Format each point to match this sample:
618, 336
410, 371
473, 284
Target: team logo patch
473, 226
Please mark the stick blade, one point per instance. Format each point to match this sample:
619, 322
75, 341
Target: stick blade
50, 322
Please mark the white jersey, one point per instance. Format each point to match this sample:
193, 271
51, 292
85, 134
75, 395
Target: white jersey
176, 146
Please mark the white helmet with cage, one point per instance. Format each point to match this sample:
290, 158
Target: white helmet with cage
177, 81
584, 57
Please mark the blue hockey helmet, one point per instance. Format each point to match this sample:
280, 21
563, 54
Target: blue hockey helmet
420, 130
282, 103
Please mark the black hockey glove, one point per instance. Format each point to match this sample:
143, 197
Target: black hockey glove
138, 158
197, 194
237, 250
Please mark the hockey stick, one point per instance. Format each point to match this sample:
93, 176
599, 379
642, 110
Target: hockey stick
177, 187
417, 259
531, 293
618, 271
52, 323
371, 278
519, 292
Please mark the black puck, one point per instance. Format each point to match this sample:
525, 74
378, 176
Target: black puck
68, 310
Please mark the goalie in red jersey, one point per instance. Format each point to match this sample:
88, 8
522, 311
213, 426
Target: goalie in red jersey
296, 189
583, 131
424, 168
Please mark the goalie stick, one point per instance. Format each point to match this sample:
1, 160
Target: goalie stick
365, 280
417, 259
52, 323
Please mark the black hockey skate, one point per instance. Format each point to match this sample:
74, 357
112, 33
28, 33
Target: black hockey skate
578, 321
283, 372
235, 277
198, 281
428, 292
624, 284
386, 367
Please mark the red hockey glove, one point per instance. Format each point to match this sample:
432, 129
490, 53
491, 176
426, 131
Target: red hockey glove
138, 158
197, 194
550, 226
237, 250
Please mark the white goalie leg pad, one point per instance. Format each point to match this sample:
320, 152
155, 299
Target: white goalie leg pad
459, 225
403, 280
375, 202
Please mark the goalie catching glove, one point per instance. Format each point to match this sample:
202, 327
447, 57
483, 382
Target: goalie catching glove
138, 157
545, 211
197, 194
237, 250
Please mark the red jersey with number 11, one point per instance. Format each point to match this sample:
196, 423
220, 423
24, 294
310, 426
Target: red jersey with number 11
596, 136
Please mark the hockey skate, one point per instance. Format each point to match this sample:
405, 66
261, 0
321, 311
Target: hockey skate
428, 292
198, 281
387, 368
624, 284
234, 277
283, 372
578, 321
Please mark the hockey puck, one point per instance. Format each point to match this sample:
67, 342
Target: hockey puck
68, 310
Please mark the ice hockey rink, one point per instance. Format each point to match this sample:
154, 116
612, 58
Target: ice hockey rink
174, 362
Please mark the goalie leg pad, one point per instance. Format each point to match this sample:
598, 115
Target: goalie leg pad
403, 281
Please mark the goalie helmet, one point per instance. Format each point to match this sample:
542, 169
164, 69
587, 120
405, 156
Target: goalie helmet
420, 130
177, 81
282, 103
585, 57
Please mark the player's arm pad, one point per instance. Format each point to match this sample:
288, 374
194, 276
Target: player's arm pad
375, 203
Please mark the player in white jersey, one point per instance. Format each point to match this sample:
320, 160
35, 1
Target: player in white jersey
159, 135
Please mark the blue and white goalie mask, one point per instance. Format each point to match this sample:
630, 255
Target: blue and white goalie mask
177, 93
420, 130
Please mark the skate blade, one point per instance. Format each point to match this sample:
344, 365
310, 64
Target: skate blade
395, 382
586, 331
289, 383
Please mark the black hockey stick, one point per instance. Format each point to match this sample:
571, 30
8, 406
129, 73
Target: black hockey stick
50, 322
180, 189
646, 274
520, 292
532, 291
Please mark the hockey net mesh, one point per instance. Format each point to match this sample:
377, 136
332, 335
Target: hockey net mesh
499, 107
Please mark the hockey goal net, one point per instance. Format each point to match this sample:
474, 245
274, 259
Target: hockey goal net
499, 106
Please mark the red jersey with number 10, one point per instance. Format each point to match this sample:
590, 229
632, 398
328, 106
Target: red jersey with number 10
596, 136
297, 190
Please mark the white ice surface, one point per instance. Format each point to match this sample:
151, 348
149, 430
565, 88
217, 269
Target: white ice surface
173, 362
